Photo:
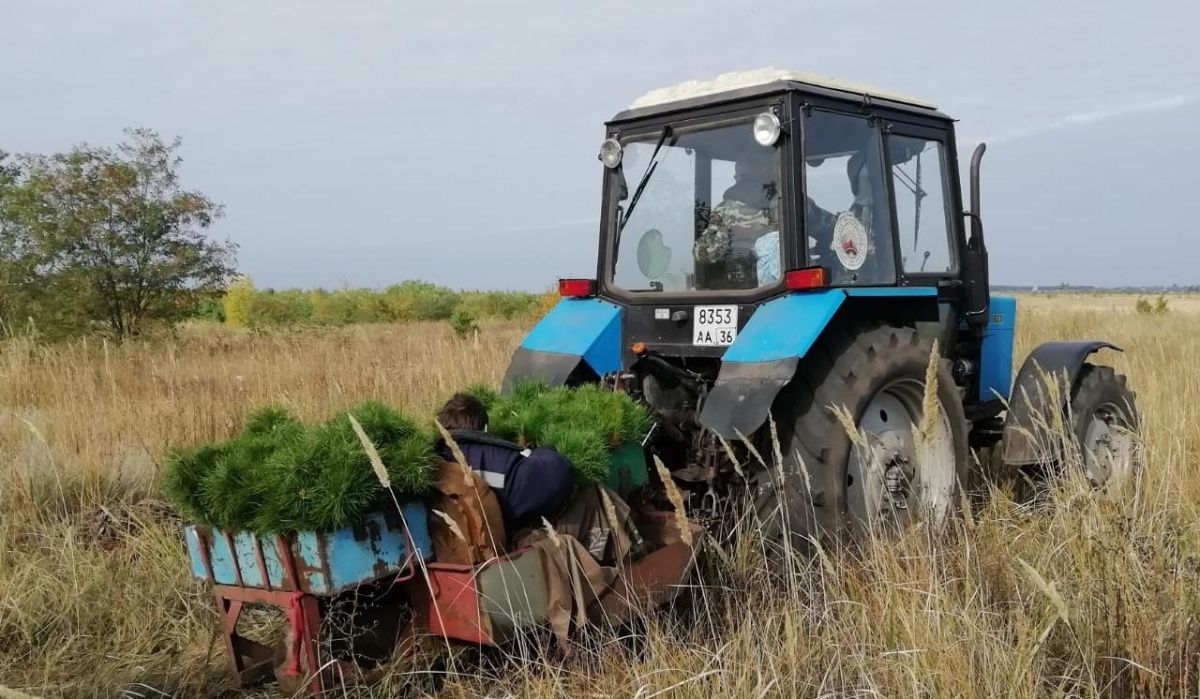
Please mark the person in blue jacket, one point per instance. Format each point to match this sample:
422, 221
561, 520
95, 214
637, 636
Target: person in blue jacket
529, 483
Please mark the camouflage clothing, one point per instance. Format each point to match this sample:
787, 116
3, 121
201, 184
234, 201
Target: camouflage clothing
728, 241
735, 228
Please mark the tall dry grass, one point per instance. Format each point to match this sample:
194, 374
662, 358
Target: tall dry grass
1084, 594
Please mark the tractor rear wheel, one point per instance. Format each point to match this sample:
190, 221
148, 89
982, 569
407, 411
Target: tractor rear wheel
834, 488
1103, 418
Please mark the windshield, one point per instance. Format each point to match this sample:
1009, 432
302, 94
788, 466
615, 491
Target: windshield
707, 217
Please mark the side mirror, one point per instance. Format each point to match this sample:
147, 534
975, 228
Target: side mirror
653, 255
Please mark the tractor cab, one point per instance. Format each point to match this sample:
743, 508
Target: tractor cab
720, 197
776, 247
727, 196
733, 192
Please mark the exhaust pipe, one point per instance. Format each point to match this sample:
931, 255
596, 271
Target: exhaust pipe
976, 263
976, 215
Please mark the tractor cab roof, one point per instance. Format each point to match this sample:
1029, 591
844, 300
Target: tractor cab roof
729, 87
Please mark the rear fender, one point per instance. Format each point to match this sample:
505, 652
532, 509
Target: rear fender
763, 358
576, 336
1032, 405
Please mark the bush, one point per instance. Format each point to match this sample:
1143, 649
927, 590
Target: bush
236, 303
281, 475
210, 311
499, 304
1159, 307
272, 308
463, 323
415, 300
247, 307
584, 424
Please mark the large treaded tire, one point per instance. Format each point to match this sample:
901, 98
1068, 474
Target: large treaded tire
1101, 393
847, 368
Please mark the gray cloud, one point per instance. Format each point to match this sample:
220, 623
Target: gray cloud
1119, 111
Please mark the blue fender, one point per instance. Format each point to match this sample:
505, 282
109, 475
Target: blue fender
763, 358
575, 332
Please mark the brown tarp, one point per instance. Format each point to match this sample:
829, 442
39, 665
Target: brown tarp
465, 523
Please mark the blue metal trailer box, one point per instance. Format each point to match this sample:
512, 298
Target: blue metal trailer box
325, 563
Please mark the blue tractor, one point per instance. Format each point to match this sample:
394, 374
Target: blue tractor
779, 256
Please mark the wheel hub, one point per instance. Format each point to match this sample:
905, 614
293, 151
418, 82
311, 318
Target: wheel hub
890, 452
1107, 447
895, 475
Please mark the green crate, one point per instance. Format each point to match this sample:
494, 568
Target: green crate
627, 469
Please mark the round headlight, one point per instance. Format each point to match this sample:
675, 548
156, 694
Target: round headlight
610, 153
766, 129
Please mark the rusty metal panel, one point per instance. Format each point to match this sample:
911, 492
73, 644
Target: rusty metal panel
645, 584
326, 563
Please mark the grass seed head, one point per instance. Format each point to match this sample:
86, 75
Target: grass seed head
676, 498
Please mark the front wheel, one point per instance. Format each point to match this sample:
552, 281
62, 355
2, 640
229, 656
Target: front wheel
1103, 419
834, 486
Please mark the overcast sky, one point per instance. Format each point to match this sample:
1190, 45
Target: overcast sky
361, 143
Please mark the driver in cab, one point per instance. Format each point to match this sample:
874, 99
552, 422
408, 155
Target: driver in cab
739, 247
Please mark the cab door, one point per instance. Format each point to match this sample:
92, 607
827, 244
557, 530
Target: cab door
922, 204
925, 220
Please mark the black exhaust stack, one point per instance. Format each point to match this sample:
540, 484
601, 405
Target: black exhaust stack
975, 267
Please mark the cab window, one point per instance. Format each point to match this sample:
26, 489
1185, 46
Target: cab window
707, 214
922, 215
847, 218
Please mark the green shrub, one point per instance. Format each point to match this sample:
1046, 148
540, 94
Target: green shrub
1159, 307
347, 306
236, 303
280, 475
463, 323
209, 311
499, 304
245, 306
584, 424
272, 308
415, 300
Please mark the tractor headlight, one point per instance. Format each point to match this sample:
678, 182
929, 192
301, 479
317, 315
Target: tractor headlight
610, 153
766, 129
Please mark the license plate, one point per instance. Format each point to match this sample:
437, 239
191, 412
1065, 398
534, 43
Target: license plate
714, 326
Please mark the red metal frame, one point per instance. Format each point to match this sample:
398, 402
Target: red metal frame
252, 661
451, 603
446, 603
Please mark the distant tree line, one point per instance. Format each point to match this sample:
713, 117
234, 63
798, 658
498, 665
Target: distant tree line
1089, 289
244, 305
105, 239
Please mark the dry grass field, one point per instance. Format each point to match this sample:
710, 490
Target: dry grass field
1084, 594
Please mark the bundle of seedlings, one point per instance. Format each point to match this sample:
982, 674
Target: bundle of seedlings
585, 424
281, 475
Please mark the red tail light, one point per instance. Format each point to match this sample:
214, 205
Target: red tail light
807, 278
577, 288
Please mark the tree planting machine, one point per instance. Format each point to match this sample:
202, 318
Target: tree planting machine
788, 279
779, 255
